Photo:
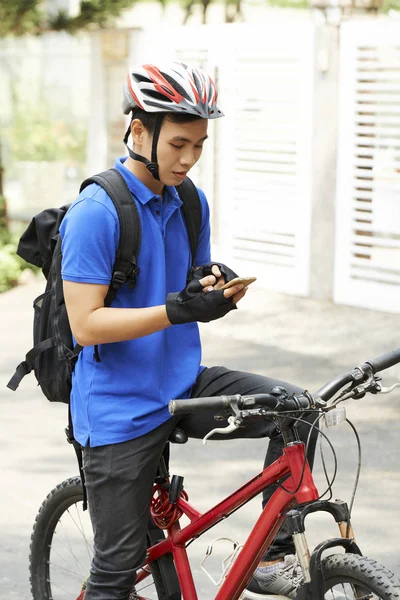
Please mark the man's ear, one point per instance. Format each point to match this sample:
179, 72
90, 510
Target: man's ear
137, 131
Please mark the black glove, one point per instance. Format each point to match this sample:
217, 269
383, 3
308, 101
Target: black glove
206, 270
191, 304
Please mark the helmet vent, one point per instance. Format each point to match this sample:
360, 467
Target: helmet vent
140, 78
175, 85
156, 95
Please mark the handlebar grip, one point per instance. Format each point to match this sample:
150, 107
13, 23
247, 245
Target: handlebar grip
384, 361
217, 403
192, 405
270, 401
330, 388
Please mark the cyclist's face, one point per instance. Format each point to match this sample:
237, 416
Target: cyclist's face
179, 148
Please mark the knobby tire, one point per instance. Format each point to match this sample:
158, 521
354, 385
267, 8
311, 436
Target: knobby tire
65, 502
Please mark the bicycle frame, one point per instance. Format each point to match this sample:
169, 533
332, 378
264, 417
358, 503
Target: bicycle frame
300, 483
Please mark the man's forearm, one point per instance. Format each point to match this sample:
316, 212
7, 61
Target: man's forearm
106, 325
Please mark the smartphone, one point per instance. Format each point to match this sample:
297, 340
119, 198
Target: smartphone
245, 280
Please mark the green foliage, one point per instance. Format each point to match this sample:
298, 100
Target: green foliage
92, 12
387, 5
19, 17
34, 136
4, 232
11, 265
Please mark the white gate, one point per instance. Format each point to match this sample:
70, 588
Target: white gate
367, 265
256, 170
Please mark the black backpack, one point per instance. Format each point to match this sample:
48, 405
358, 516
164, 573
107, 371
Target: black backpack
53, 355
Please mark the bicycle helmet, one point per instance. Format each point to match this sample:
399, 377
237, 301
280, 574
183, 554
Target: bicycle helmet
176, 88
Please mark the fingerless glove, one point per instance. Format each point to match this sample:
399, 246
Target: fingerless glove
192, 304
206, 270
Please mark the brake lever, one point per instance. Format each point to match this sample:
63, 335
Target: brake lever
233, 425
386, 390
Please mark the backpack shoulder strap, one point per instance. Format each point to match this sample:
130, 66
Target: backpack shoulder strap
191, 211
125, 266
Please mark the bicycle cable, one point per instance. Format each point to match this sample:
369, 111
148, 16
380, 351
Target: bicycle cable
321, 452
359, 463
312, 427
357, 478
357, 474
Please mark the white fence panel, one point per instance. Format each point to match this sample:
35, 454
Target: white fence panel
367, 264
265, 177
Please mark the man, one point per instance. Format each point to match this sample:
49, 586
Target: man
149, 344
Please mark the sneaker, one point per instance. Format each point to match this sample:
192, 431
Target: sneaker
282, 582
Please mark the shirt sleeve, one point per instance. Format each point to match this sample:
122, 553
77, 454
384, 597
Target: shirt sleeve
90, 233
203, 253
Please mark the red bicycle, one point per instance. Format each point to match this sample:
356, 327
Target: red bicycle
61, 548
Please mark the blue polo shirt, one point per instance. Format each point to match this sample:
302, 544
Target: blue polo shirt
126, 394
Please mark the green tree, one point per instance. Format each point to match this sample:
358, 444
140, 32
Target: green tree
20, 17
24, 17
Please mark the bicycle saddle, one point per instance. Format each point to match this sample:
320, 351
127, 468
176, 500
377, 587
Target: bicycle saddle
178, 436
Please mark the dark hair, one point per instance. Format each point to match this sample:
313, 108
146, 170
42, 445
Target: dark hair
149, 119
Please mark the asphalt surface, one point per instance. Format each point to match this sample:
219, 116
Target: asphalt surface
294, 339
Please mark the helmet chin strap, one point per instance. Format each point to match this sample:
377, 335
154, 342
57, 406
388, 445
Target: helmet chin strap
152, 165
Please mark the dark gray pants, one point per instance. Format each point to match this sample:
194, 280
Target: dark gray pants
119, 479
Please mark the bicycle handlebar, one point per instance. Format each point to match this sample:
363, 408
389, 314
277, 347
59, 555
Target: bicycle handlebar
218, 403
385, 361
291, 403
381, 363
192, 405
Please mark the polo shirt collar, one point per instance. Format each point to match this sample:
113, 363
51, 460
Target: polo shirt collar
139, 190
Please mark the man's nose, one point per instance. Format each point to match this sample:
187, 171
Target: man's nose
188, 158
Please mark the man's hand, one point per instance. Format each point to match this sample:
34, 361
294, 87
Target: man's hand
221, 274
199, 301
210, 283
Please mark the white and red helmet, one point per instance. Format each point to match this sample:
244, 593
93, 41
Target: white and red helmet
176, 88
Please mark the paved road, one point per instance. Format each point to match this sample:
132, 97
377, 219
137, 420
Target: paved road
298, 340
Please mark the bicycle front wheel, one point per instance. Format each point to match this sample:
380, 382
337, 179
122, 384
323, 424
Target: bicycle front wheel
353, 577
61, 550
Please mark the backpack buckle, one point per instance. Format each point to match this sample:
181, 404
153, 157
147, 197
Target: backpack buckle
132, 276
118, 278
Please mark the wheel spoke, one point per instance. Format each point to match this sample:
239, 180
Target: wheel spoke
61, 547
80, 528
69, 550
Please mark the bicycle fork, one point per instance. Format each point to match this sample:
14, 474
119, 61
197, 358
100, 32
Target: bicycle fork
313, 587
311, 565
